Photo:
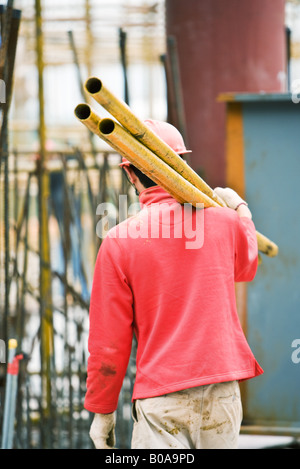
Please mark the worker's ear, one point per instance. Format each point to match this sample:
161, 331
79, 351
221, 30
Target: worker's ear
130, 173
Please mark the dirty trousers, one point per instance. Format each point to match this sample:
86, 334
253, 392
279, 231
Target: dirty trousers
205, 417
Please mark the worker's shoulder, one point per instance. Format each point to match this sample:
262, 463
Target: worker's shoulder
120, 230
223, 213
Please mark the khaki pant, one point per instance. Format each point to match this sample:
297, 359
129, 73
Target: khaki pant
205, 417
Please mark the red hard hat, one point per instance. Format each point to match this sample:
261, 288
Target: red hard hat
124, 162
168, 133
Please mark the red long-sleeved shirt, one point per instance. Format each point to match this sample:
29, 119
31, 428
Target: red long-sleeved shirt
177, 293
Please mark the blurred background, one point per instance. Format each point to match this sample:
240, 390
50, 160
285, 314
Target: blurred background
227, 74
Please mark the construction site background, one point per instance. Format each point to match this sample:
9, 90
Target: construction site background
53, 175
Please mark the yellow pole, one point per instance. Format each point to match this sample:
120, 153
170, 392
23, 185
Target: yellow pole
88, 117
46, 334
266, 246
146, 161
91, 120
122, 112
151, 165
140, 132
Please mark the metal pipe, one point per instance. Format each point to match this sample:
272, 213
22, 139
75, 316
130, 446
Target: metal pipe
152, 142
91, 120
122, 44
10, 21
138, 129
88, 117
145, 160
177, 88
151, 165
46, 317
266, 246
288, 58
155, 168
10, 395
80, 84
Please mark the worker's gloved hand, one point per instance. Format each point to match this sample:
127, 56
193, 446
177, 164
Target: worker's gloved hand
102, 431
230, 197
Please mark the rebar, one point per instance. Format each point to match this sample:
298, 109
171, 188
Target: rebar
46, 286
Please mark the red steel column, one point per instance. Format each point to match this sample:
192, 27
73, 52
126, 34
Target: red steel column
224, 46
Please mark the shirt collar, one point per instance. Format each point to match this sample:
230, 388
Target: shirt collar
155, 195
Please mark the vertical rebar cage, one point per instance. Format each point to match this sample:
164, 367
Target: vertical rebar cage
53, 176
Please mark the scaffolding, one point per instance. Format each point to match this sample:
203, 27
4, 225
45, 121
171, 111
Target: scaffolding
53, 176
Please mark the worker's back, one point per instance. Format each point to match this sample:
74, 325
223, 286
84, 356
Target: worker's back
176, 269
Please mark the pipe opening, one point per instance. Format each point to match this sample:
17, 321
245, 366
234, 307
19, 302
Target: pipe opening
83, 111
93, 85
106, 126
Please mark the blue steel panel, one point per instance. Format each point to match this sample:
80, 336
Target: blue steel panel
272, 173
254, 97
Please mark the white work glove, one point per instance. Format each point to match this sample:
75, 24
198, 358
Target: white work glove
102, 431
230, 197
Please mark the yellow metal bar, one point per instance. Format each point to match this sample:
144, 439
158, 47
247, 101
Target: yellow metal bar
151, 165
122, 112
88, 117
150, 140
44, 245
266, 246
91, 120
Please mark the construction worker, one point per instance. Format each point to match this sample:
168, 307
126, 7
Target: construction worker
180, 304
